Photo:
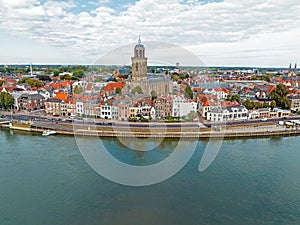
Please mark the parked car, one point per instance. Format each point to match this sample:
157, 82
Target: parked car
264, 119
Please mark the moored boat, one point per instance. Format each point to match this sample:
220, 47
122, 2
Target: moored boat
48, 132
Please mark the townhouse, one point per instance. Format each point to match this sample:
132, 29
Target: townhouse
182, 106
163, 107
53, 106
31, 102
295, 103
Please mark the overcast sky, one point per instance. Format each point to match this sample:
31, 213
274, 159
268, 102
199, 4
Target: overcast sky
220, 33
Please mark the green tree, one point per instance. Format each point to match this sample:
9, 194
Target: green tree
229, 96
273, 104
248, 104
188, 91
153, 95
78, 90
35, 83
79, 72
6, 100
66, 77
256, 105
56, 72
266, 105
181, 76
279, 95
267, 78
232, 98
32, 82
175, 77
118, 91
192, 115
235, 98
137, 89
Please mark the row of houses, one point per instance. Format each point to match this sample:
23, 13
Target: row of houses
213, 109
210, 107
120, 108
101, 100
241, 113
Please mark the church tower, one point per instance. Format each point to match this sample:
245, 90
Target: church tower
139, 62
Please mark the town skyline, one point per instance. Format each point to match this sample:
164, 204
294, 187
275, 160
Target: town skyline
225, 33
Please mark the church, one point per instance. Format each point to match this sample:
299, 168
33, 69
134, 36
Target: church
159, 83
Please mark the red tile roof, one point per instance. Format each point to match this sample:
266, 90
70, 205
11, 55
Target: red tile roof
197, 89
61, 84
61, 96
113, 86
9, 89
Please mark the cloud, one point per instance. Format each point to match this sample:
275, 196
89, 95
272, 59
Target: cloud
185, 23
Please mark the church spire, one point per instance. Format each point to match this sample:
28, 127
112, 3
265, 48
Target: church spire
140, 39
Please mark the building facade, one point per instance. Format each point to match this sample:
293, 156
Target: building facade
31, 103
228, 114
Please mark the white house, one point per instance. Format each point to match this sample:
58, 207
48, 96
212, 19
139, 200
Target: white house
228, 114
80, 83
106, 111
79, 108
210, 91
182, 107
221, 93
153, 113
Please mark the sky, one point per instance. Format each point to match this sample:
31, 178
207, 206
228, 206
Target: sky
217, 32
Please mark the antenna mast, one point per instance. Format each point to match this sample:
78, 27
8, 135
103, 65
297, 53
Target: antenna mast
31, 74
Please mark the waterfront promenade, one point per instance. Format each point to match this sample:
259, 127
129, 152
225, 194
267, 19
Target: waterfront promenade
157, 130
108, 128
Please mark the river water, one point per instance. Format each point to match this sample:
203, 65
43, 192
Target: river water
45, 180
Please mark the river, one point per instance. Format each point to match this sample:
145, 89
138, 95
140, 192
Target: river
45, 180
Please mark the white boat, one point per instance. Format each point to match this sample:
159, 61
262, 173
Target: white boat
48, 132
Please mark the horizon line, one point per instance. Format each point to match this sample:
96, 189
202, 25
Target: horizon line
119, 65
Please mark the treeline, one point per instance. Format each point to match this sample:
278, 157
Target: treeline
32, 82
258, 105
77, 71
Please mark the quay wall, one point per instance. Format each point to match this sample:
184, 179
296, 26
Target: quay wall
203, 133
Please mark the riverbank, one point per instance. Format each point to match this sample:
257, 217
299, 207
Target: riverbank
251, 181
245, 131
